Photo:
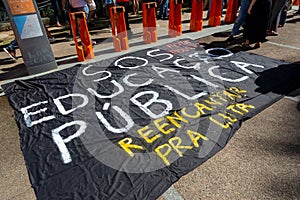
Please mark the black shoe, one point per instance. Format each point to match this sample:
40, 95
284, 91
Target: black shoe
230, 38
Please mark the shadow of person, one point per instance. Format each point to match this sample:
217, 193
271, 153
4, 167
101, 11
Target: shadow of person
14, 72
283, 80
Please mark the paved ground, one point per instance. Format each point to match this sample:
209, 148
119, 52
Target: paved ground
262, 161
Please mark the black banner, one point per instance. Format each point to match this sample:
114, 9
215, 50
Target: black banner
129, 127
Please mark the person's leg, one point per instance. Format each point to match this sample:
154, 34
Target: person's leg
282, 19
162, 9
273, 23
135, 7
165, 9
208, 11
13, 45
241, 17
55, 11
10, 50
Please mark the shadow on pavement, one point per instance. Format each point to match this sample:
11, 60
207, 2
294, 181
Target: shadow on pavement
14, 72
286, 186
293, 20
283, 79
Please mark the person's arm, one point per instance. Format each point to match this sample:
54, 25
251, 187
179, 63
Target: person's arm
250, 6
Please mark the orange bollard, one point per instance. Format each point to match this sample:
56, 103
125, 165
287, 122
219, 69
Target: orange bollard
296, 3
86, 50
215, 13
175, 26
231, 11
196, 15
149, 22
119, 32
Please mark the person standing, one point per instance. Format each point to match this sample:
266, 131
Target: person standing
257, 22
57, 8
240, 20
77, 6
10, 50
92, 12
277, 7
163, 10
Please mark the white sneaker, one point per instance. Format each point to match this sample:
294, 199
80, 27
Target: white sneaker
11, 54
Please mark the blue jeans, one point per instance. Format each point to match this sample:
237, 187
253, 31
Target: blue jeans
13, 45
240, 21
163, 11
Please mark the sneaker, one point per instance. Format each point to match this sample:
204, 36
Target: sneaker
69, 38
10, 53
93, 43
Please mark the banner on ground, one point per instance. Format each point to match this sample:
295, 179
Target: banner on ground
131, 126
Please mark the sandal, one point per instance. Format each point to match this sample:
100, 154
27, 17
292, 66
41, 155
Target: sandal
271, 33
245, 45
257, 45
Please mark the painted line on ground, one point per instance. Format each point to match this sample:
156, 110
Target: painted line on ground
283, 45
172, 194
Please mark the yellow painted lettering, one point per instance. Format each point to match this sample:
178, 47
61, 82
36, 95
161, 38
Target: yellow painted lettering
127, 145
202, 107
237, 90
226, 122
219, 96
177, 146
234, 93
231, 95
175, 118
145, 133
195, 136
244, 107
163, 156
195, 116
212, 102
161, 127
232, 108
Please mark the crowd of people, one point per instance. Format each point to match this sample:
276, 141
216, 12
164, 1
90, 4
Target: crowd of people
260, 18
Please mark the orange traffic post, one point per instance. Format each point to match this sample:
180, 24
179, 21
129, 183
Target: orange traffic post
196, 16
119, 32
231, 11
215, 13
78, 19
149, 22
175, 26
